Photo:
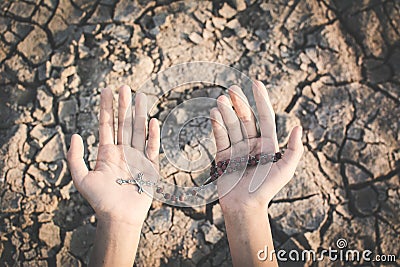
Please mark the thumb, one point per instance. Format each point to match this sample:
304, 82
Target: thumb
76, 163
294, 151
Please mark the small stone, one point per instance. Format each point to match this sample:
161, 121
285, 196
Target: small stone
91, 140
207, 34
160, 220
143, 67
44, 114
227, 12
218, 218
195, 255
21, 9
84, 51
66, 190
253, 45
64, 258
38, 174
219, 23
58, 83
28, 152
53, 150
211, 233
11, 202
209, 26
59, 29
14, 179
67, 114
183, 179
50, 234
31, 187
195, 38
42, 134
58, 170
10, 37
92, 219
20, 69
41, 184
284, 51
73, 83
35, 47
119, 32
45, 217
45, 101
119, 66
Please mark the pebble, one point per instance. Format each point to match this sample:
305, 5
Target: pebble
195, 38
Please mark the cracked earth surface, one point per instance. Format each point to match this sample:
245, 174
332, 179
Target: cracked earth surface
331, 65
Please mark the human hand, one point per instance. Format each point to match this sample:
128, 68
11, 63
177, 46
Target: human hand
111, 201
236, 135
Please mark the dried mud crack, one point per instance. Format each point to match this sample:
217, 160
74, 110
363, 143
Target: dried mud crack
331, 65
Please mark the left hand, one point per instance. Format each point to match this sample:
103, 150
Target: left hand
236, 135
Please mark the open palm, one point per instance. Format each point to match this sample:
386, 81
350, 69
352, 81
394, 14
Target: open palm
125, 160
236, 135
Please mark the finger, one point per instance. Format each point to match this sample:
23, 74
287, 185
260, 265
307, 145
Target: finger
124, 134
139, 126
106, 127
293, 153
153, 143
265, 112
220, 133
230, 119
76, 163
243, 111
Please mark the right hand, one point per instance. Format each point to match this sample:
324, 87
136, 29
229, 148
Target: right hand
111, 201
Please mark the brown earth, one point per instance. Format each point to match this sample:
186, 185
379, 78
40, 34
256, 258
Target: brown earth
332, 65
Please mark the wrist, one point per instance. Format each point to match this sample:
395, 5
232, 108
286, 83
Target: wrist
116, 242
244, 210
117, 222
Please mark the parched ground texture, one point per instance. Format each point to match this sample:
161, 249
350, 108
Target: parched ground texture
331, 65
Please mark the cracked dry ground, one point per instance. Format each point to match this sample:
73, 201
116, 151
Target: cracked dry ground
331, 65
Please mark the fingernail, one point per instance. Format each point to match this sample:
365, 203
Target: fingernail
124, 86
